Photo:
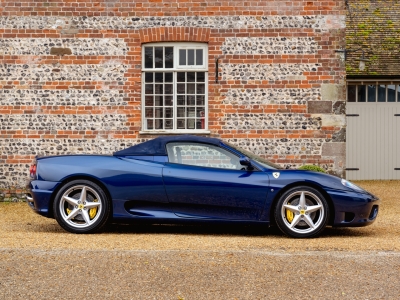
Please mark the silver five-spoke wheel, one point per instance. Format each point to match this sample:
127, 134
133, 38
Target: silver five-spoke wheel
302, 212
81, 206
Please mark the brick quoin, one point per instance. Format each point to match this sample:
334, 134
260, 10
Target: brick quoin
71, 73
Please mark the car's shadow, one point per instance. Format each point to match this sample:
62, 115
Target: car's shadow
245, 230
254, 230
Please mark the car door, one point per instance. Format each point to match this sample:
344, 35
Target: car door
207, 181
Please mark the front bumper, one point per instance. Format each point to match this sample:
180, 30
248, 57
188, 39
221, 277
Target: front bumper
39, 196
354, 209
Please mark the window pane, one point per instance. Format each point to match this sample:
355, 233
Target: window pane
199, 57
190, 57
168, 113
200, 76
200, 123
169, 57
148, 57
148, 88
149, 112
169, 124
351, 93
180, 88
168, 77
168, 89
191, 123
148, 101
181, 112
372, 93
381, 93
159, 77
149, 77
200, 100
202, 156
201, 89
181, 76
159, 57
158, 89
361, 93
158, 124
180, 100
191, 76
159, 113
191, 88
182, 57
191, 112
180, 124
168, 100
391, 93
149, 123
191, 100
158, 100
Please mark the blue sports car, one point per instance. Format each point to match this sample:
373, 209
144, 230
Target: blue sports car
190, 178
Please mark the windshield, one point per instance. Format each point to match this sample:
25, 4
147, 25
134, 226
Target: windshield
262, 161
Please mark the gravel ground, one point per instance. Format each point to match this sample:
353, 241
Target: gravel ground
41, 261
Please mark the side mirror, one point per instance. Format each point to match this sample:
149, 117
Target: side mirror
245, 161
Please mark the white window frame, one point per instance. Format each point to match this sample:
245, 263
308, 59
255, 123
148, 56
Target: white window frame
176, 68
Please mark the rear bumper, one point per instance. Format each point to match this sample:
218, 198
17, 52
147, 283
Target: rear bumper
39, 196
354, 209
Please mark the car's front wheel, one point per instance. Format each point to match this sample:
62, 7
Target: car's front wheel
302, 212
81, 206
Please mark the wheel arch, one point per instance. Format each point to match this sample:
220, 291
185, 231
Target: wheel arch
307, 184
79, 177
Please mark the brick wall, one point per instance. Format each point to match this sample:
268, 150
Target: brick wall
70, 76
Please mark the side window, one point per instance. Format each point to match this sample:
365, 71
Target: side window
202, 155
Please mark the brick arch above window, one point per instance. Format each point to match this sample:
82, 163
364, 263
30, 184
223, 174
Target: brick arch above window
174, 34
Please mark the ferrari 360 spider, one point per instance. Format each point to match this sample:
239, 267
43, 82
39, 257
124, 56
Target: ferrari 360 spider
190, 179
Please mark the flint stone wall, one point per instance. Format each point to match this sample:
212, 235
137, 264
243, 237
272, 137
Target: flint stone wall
71, 97
43, 46
281, 45
265, 71
135, 23
108, 71
251, 97
63, 122
271, 121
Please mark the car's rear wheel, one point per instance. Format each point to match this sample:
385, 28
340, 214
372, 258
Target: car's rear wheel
302, 212
81, 206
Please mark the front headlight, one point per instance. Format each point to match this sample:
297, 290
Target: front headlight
352, 186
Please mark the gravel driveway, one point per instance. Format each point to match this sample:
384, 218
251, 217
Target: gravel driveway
41, 261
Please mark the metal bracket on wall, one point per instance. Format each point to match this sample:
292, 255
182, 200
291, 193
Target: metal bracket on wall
352, 169
397, 169
352, 115
216, 69
397, 115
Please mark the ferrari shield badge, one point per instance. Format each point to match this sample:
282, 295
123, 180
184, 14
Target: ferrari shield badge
276, 175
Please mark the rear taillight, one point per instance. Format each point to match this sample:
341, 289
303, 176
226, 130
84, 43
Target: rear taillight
32, 169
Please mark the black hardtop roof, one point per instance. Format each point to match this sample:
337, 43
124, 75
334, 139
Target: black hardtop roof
157, 145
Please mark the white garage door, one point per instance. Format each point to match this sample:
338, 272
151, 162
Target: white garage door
373, 136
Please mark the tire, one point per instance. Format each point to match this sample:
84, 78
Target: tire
302, 212
81, 206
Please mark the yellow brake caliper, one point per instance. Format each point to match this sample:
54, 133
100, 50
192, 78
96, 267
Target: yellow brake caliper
289, 215
93, 211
